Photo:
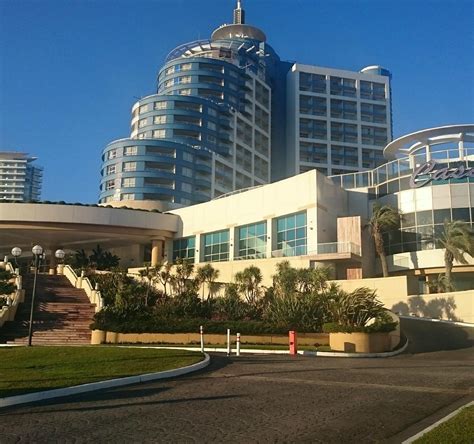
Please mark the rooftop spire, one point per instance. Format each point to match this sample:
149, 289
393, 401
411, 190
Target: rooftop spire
239, 14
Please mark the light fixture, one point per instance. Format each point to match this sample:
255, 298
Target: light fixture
37, 251
60, 254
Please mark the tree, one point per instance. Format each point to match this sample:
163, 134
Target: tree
384, 218
248, 281
457, 239
208, 275
103, 260
181, 280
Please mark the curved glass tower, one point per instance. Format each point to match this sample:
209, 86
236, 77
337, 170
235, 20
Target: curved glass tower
206, 131
229, 115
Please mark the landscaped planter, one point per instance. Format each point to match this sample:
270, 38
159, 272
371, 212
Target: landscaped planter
360, 342
194, 338
98, 337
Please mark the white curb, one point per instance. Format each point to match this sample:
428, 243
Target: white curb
286, 352
436, 424
84, 388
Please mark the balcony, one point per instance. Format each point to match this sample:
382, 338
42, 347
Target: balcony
330, 251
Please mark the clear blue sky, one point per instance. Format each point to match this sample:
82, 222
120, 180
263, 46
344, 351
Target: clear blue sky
70, 70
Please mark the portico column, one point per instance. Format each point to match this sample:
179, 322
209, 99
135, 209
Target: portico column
156, 251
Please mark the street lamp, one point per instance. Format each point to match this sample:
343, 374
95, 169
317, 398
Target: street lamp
60, 255
16, 252
37, 251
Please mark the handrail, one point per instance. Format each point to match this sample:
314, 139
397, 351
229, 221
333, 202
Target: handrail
85, 284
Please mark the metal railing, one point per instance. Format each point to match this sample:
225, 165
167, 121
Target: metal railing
323, 248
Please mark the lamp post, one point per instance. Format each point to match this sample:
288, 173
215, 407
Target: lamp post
37, 251
60, 254
16, 252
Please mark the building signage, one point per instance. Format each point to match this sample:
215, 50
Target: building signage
427, 172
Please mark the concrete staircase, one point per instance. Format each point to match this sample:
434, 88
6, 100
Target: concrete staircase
62, 314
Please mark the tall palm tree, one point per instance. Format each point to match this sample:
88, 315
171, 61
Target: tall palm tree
248, 281
457, 239
207, 274
384, 218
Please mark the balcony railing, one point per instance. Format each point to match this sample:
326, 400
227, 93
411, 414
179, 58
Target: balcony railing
324, 248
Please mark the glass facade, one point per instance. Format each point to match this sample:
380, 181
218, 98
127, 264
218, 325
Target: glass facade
252, 241
184, 248
291, 234
216, 246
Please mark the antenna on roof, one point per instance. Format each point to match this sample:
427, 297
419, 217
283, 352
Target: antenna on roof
239, 14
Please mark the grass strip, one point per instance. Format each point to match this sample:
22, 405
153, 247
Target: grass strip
457, 430
31, 369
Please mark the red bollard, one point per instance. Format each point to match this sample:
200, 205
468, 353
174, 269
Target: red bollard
293, 342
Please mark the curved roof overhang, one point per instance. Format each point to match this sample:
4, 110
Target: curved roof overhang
75, 227
409, 143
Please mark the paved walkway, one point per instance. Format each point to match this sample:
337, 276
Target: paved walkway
260, 399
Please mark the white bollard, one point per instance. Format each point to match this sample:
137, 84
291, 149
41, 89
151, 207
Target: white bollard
229, 350
201, 332
238, 344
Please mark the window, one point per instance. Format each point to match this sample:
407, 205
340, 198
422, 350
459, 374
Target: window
187, 120
372, 90
159, 134
159, 120
216, 246
184, 79
169, 83
188, 172
188, 157
112, 154
161, 105
343, 132
313, 82
186, 187
344, 155
184, 92
373, 113
142, 135
315, 106
110, 184
252, 241
161, 151
313, 152
128, 196
129, 166
343, 109
212, 112
169, 70
291, 234
185, 66
130, 151
142, 123
212, 126
374, 135
128, 182
143, 109
313, 129
343, 87
111, 169
184, 248
188, 106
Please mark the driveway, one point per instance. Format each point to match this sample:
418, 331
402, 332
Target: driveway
261, 399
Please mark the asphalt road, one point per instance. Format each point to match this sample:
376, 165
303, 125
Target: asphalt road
260, 399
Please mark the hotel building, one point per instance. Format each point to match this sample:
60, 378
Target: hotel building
20, 180
228, 114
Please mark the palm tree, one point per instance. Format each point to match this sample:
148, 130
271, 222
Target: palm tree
457, 239
248, 281
207, 274
384, 218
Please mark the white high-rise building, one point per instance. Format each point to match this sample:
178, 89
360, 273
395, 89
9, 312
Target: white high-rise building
338, 121
20, 180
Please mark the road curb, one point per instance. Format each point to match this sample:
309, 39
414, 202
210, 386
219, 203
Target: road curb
436, 424
440, 321
286, 352
101, 385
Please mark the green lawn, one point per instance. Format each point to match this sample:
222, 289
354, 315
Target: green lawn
457, 430
30, 369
